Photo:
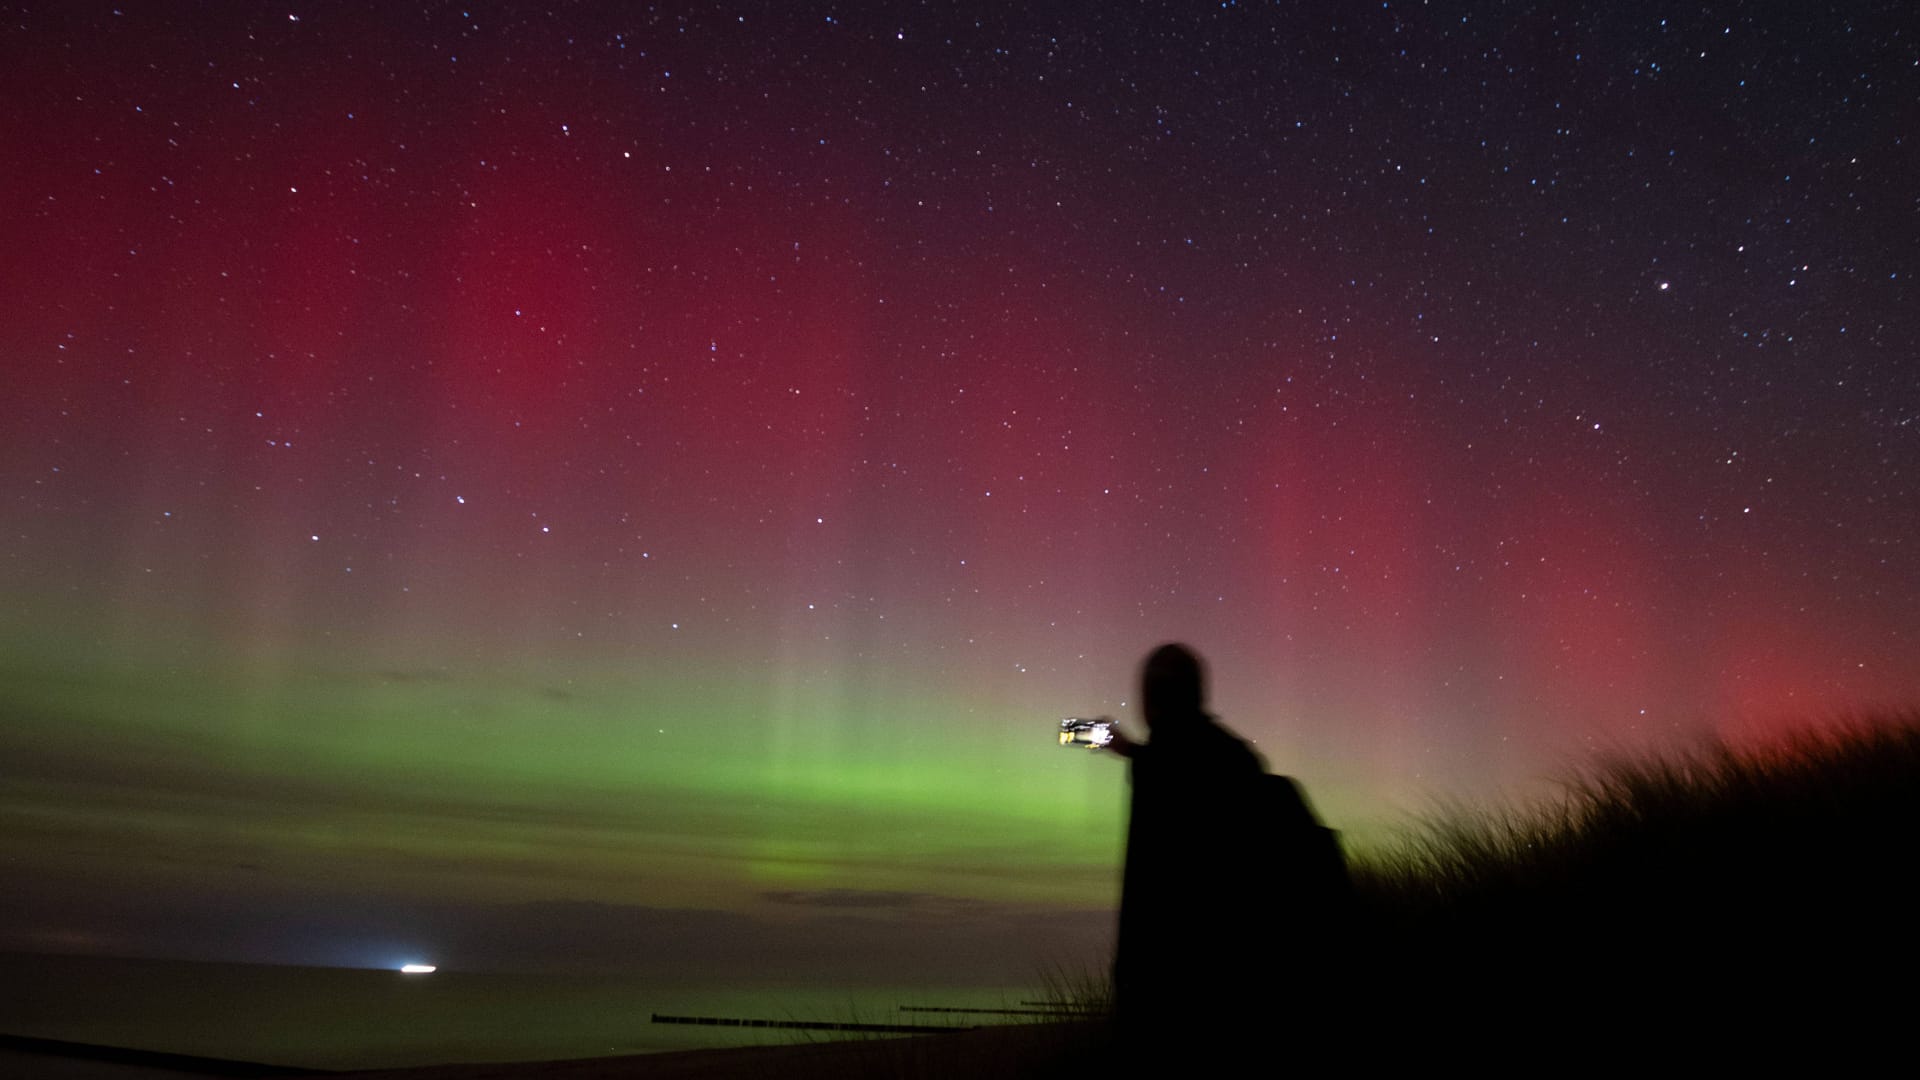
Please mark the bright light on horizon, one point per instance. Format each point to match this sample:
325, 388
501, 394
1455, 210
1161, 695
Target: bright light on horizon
416, 969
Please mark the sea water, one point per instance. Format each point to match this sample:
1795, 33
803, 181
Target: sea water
347, 1018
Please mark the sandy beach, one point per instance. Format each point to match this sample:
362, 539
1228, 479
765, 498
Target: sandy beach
1010, 1050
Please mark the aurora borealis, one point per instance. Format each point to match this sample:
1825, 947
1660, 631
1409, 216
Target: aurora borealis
681, 461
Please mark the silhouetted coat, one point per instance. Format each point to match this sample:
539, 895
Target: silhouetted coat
1229, 887
1184, 923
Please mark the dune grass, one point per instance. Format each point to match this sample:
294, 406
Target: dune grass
1671, 830
1076, 991
1714, 882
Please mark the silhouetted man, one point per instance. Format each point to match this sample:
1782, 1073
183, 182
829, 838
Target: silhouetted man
1227, 869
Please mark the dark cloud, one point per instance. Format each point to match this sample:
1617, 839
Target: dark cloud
417, 675
911, 903
843, 898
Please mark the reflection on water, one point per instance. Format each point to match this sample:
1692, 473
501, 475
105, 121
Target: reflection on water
342, 1018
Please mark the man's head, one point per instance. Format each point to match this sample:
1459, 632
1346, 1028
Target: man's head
1172, 687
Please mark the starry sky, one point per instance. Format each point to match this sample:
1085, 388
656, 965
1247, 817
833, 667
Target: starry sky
471, 473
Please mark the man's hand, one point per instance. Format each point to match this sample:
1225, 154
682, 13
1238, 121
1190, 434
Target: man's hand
1119, 743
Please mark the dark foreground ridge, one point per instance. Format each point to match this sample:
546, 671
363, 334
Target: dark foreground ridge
1694, 891
24, 1056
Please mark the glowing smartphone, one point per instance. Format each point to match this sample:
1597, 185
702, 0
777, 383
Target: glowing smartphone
1090, 734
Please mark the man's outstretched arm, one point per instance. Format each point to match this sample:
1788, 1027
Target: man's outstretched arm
1120, 744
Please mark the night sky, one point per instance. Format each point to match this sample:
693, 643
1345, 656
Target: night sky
471, 474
